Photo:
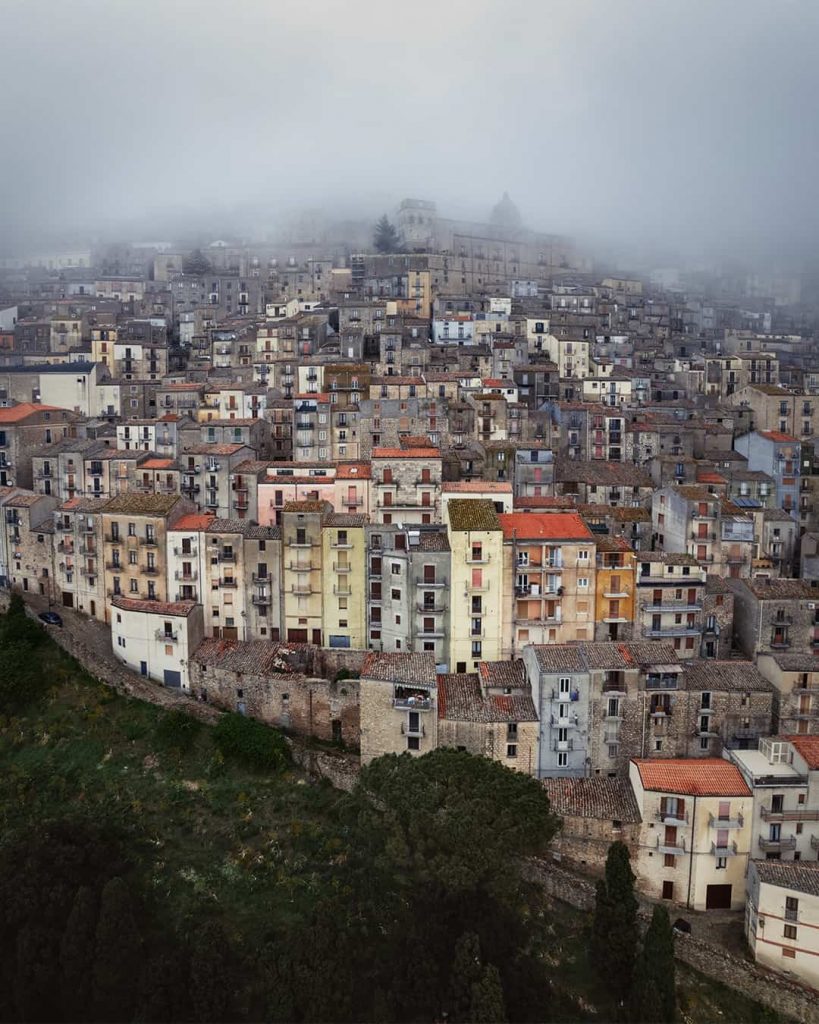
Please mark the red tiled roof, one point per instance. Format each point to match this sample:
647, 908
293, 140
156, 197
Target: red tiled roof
128, 604
19, 412
354, 471
550, 525
777, 435
156, 464
193, 521
807, 747
477, 486
710, 478
707, 776
406, 453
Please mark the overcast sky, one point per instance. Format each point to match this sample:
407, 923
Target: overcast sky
691, 120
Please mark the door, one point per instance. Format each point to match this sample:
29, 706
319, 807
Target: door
718, 897
230, 632
68, 599
668, 890
297, 636
172, 678
317, 638
143, 668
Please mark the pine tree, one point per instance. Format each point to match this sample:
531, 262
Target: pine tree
487, 1005
385, 238
655, 996
118, 961
614, 936
77, 955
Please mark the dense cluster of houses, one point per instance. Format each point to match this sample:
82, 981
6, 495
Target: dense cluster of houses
471, 494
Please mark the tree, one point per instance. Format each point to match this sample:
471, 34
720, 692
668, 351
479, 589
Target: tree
77, 949
655, 995
385, 237
465, 973
118, 960
211, 973
614, 930
487, 1006
251, 742
196, 263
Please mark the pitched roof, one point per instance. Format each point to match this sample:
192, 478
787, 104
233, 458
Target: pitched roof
544, 526
595, 797
800, 876
707, 776
142, 504
808, 747
473, 514
778, 437
195, 521
462, 699
739, 676
476, 487
582, 657
400, 668
406, 453
179, 608
15, 413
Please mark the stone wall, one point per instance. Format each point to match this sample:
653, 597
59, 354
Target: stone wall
773, 990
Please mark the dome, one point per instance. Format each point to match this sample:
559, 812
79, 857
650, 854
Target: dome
505, 214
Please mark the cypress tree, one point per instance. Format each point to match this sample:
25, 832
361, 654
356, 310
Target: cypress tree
466, 972
614, 930
655, 995
118, 962
487, 1004
77, 955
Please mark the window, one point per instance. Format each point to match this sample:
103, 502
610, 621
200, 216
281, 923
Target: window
722, 863
562, 760
582, 582
413, 743
789, 953
790, 931
512, 751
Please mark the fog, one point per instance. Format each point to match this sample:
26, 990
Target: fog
685, 123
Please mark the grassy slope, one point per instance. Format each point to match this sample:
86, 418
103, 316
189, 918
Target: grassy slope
207, 834
200, 829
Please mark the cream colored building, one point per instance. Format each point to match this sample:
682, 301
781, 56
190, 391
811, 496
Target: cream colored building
696, 832
79, 573
782, 917
344, 580
134, 544
156, 638
303, 571
399, 705
477, 591
549, 573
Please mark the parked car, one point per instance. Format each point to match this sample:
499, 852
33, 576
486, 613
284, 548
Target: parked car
50, 618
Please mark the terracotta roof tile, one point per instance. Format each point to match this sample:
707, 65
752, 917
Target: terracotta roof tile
544, 526
707, 776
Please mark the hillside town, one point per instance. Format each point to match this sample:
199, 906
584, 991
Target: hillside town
462, 489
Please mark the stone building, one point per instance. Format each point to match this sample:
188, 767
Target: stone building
596, 812
490, 713
406, 485
268, 681
28, 542
408, 575
775, 615
795, 676
670, 594
399, 705
79, 573
718, 624
23, 429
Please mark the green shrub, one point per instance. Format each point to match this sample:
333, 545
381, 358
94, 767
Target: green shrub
178, 731
250, 742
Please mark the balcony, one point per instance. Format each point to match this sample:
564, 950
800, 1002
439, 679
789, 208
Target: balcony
676, 847
673, 631
352, 502
338, 545
671, 606
729, 850
407, 731
481, 559
737, 821
227, 556
261, 580
302, 590
798, 814
562, 745
186, 577
229, 581
148, 542
783, 843
260, 600
342, 567
564, 721
149, 570
303, 566
423, 582
563, 695
114, 566
342, 590
675, 817
302, 544
166, 637
191, 552
435, 609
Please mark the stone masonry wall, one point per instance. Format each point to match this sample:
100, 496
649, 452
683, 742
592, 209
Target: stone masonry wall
774, 990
